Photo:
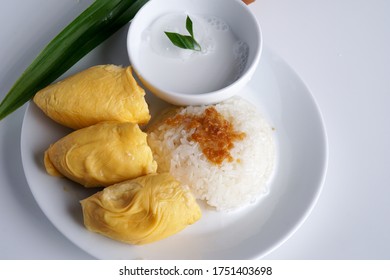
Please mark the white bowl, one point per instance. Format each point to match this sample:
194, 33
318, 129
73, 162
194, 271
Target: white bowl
192, 79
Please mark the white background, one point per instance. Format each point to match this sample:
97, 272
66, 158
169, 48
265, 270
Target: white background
340, 48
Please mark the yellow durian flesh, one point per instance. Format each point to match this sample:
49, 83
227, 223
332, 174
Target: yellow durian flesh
101, 155
100, 93
142, 210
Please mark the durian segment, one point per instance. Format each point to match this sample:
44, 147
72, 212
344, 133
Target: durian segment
100, 93
101, 155
142, 210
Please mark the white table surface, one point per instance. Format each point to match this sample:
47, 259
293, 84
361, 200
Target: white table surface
340, 48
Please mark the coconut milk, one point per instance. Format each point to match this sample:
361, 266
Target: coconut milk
220, 62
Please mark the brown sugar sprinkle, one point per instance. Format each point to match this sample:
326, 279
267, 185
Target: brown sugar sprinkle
213, 132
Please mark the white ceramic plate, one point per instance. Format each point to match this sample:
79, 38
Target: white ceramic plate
246, 234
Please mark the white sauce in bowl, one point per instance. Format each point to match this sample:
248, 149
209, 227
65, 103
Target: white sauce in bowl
221, 61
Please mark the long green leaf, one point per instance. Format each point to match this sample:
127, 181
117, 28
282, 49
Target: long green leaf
93, 26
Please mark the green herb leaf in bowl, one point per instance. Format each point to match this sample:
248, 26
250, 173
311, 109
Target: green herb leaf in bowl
185, 41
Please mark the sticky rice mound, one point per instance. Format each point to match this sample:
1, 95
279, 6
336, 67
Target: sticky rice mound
227, 185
